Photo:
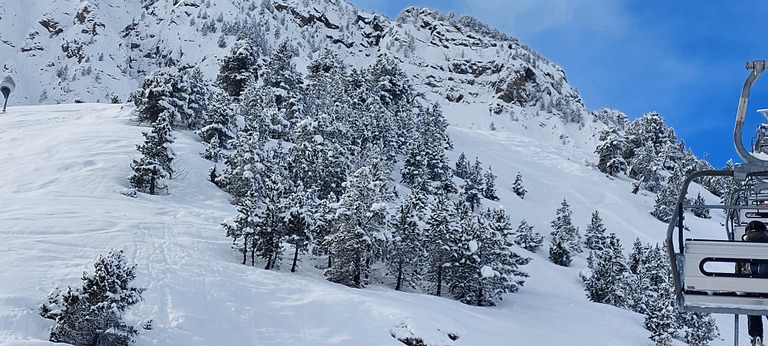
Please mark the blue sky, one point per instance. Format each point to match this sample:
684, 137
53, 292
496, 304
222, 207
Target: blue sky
682, 59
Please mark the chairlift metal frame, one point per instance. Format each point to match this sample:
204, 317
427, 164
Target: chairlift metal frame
699, 285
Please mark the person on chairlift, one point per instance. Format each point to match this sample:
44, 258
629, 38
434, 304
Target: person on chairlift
755, 232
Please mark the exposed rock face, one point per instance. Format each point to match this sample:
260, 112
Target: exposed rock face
92, 51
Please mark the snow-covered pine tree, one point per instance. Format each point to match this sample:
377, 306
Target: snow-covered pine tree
700, 212
361, 223
325, 82
730, 186
194, 93
238, 68
393, 83
666, 198
638, 257
568, 232
526, 238
463, 167
182, 94
517, 187
649, 268
471, 189
320, 158
157, 158
324, 227
93, 313
498, 265
463, 272
559, 250
218, 129
646, 167
442, 231
489, 191
321, 166
414, 170
609, 149
660, 320
609, 278
394, 92
284, 92
700, 328
243, 166
270, 228
242, 228
406, 251
595, 233
152, 99
426, 151
299, 220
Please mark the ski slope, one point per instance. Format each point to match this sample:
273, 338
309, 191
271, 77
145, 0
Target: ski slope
62, 204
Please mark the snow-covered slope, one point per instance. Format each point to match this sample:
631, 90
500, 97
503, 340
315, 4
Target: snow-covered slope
62, 205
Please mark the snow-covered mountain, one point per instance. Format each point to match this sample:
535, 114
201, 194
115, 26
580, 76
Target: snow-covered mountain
63, 201
93, 51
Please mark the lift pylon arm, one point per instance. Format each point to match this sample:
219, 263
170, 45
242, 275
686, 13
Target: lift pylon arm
757, 67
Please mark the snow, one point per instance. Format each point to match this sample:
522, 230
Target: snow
472, 244
63, 205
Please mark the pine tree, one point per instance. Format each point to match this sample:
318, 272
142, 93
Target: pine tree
194, 93
609, 149
526, 238
660, 320
666, 199
700, 212
243, 166
157, 158
299, 220
463, 167
414, 170
433, 132
93, 314
518, 188
472, 186
361, 222
497, 266
425, 165
700, 328
563, 225
238, 68
609, 277
270, 228
407, 253
283, 83
649, 268
218, 129
152, 99
394, 93
489, 191
183, 96
559, 250
595, 233
242, 229
463, 272
442, 233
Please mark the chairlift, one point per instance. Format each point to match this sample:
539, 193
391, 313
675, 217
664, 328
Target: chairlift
703, 270
7, 85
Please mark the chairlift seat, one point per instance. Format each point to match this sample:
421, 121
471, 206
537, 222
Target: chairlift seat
711, 283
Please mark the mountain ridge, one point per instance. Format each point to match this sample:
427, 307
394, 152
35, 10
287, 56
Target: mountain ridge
74, 51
